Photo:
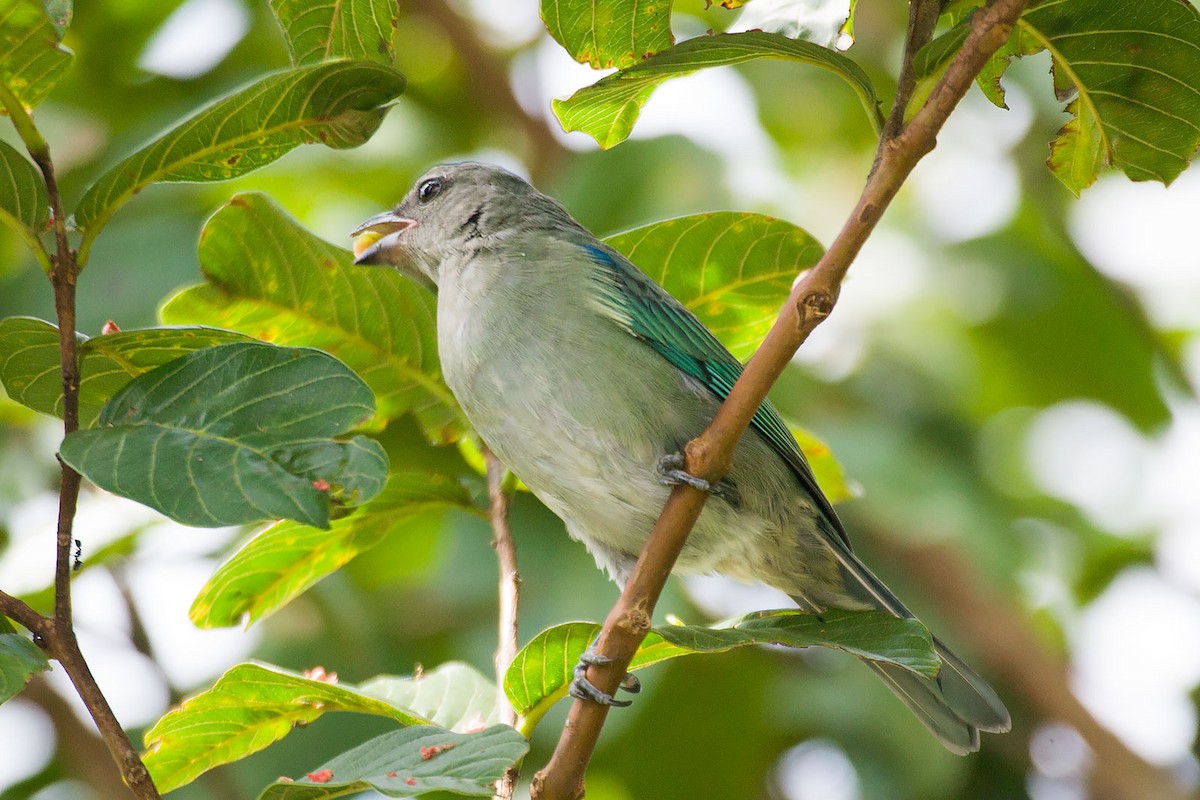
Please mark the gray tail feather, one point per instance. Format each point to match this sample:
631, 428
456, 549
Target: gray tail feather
955, 705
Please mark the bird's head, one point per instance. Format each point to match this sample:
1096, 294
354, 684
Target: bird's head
451, 211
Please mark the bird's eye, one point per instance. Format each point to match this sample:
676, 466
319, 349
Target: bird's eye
429, 189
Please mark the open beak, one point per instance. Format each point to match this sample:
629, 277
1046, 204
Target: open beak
375, 237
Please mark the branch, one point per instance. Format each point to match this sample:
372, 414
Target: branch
709, 456
510, 597
58, 632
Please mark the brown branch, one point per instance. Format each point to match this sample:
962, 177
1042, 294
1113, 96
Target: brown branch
709, 456
510, 597
922, 19
996, 630
58, 633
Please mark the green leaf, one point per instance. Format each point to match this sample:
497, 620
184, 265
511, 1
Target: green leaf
1129, 72
412, 762
826, 469
731, 269
60, 13
616, 33
234, 434
319, 31
455, 696
339, 104
270, 278
541, 672
24, 203
20, 660
31, 59
29, 365
284, 560
607, 109
23, 198
249, 708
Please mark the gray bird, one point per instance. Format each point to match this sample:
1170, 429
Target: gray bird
587, 379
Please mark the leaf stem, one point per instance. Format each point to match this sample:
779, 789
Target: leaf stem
709, 456
510, 596
57, 632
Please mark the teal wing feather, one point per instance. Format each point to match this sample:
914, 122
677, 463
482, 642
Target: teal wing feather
649, 313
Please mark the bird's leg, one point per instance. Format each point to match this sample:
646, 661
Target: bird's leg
671, 472
583, 689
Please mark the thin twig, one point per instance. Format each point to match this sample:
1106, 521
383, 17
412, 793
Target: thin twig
709, 456
58, 633
510, 597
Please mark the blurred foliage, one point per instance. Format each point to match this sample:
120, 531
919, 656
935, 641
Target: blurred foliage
930, 415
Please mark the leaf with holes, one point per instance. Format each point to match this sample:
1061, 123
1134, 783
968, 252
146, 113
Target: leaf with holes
1128, 71
249, 708
340, 104
236, 434
609, 33
29, 367
542, 670
731, 269
607, 109
319, 31
270, 278
31, 59
287, 558
412, 762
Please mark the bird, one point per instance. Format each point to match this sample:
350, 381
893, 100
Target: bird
587, 379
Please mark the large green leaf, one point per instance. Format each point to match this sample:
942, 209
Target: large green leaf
339, 104
24, 203
542, 671
412, 762
31, 59
285, 559
20, 660
325, 29
731, 269
1129, 71
29, 365
234, 434
249, 708
607, 109
455, 696
270, 278
609, 33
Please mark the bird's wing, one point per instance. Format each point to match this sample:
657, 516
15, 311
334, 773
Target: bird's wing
649, 313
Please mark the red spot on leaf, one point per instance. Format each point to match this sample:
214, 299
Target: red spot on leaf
321, 485
320, 776
431, 751
319, 674
411, 781
110, 327
391, 774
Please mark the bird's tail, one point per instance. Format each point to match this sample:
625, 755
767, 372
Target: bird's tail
957, 704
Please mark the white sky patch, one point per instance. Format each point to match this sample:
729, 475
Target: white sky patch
28, 737
721, 597
969, 187
195, 38
817, 770
1087, 454
817, 21
505, 25
1136, 658
1144, 234
129, 680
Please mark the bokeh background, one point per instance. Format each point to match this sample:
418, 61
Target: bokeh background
1008, 380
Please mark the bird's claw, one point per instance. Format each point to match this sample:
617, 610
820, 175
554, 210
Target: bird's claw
583, 689
671, 472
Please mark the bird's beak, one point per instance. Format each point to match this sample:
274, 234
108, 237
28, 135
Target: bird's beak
375, 237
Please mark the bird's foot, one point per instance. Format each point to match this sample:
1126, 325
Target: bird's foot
583, 689
671, 472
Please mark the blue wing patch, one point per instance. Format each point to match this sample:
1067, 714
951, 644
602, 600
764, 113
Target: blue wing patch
649, 313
